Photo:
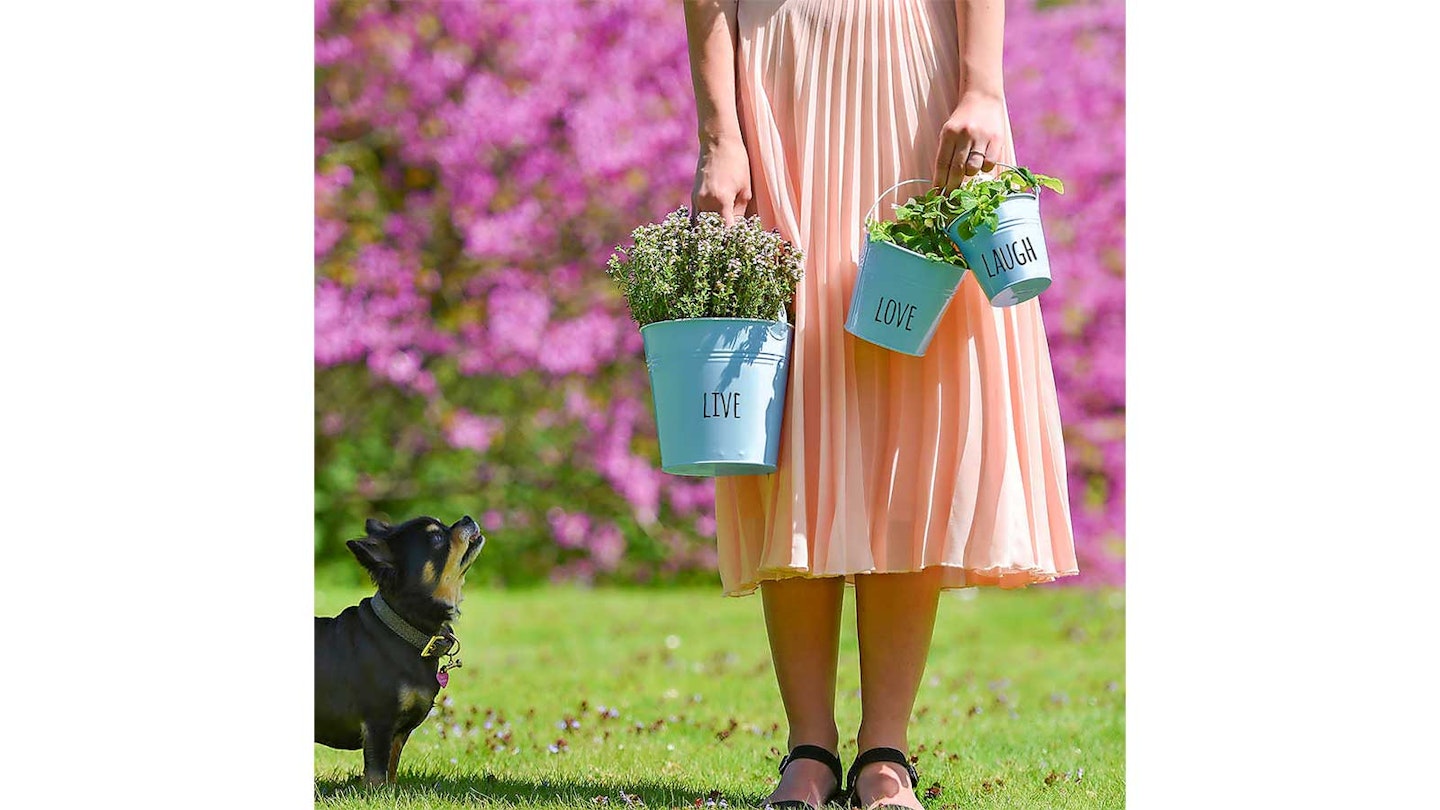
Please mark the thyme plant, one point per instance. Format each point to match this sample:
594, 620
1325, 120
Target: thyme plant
678, 268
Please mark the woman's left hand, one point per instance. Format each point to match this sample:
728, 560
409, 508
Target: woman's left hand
971, 140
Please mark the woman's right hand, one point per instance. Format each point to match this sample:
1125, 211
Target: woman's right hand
722, 180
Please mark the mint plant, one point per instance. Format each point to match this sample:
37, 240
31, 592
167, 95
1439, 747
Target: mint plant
678, 268
920, 223
976, 202
918, 227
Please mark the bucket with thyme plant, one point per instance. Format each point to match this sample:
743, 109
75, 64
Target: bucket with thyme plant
909, 271
995, 223
711, 302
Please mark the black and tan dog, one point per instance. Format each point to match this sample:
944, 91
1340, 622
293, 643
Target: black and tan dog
377, 664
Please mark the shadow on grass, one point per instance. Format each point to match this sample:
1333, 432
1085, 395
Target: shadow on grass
510, 792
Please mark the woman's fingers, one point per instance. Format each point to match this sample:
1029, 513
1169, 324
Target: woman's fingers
722, 183
742, 202
707, 198
992, 154
944, 157
729, 205
970, 141
970, 156
738, 204
976, 159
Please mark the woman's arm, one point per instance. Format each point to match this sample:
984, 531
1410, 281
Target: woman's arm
971, 140
722, 173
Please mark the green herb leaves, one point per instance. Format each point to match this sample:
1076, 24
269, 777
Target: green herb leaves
920, 223
679, 268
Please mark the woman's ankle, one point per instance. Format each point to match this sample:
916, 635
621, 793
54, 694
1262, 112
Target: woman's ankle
829, 739
868, 738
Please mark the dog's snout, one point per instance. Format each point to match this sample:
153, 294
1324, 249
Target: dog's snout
467, 528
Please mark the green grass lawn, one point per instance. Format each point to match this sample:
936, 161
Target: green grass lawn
574, 698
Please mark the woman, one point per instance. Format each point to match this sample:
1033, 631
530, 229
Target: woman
904, 475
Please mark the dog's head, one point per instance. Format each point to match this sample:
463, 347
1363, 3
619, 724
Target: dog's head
419, 558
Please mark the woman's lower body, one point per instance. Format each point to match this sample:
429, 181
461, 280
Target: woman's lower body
902, 475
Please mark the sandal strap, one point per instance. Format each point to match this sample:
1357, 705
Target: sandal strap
818, 754
892, 755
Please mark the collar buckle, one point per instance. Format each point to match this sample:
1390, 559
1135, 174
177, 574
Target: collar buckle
437, 645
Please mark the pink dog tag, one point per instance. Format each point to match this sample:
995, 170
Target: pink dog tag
443, 677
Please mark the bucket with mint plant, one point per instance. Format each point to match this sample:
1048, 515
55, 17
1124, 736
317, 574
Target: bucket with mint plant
996, 226
909, 271
711, 302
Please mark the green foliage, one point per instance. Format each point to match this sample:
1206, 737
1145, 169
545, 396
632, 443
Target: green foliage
919, 226
667, 695
385, 461
683, 268
920, 223
975, 203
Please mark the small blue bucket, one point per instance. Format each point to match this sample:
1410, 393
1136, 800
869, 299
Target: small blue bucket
1010, 263
719, 391
900, 297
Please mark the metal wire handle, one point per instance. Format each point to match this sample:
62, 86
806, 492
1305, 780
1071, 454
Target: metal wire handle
1035, 186
863, 228
992, 176
883, 194
887, 191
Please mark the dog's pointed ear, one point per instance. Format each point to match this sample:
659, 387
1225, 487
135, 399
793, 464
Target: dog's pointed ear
372, 553
376, 528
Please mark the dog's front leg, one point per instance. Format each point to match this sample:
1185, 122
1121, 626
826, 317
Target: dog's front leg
396, 746
376, 746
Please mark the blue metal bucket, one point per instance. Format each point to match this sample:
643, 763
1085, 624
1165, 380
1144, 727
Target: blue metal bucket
900, 297
719, 391
1010, 263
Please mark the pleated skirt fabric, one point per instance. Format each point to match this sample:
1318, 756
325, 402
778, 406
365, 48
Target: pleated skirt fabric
888, 463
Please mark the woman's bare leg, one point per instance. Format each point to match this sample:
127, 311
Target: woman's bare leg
802, 619
895, 615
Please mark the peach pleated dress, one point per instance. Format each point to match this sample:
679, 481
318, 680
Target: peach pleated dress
888, 463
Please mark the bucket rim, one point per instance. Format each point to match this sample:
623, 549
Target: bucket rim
1008, 197
1032, 290
758, 321
753, 468
950, 226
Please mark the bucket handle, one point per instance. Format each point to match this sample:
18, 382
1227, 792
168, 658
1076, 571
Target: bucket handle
1016, 168
861, 236
967, 178
883, 194
887, 191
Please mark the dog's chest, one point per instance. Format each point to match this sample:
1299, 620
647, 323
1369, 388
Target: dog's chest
415, 704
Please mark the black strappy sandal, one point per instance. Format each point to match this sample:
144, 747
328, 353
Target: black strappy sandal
822, 756
879, 755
